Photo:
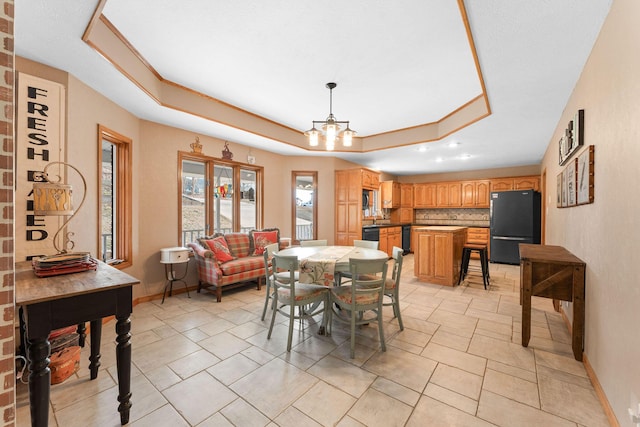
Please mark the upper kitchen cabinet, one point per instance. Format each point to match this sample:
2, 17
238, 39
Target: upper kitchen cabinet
475, 194
516, 183
424, 195
448, 195
370, 179
406, 195
390, 193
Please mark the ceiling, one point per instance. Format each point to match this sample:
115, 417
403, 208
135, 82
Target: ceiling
502, 70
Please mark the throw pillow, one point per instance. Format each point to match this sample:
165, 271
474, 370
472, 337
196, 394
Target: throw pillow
252, 246
219, 247
262, 239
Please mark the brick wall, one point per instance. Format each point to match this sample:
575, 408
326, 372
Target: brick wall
7, 307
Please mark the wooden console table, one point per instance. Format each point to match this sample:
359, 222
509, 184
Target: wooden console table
552, 272
57, 301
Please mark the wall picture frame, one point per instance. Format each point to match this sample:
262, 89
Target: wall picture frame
563, 188
559, 191
585, 176
572, 139
570, 172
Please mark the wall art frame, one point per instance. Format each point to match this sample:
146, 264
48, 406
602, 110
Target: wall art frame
585, 165
570, 172
572, 139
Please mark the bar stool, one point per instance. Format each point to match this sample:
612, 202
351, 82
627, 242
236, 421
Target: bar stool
484, 262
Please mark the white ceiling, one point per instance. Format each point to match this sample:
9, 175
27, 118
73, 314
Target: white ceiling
397, 65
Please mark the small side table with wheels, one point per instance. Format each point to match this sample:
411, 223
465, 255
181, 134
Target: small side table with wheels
170, 257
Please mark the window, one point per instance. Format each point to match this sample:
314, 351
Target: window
194, 199
304, 201
114, 159
231, 203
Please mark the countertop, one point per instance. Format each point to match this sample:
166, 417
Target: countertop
445, 228
425, 225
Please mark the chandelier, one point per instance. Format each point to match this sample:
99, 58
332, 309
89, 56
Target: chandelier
330, 128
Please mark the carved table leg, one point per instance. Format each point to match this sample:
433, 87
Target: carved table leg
94, 359
123, 361
39, 380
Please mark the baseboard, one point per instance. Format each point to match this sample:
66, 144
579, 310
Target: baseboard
152, 297
608, 410
602, 397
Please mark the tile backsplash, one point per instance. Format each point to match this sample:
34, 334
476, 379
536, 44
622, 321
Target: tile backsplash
453, 216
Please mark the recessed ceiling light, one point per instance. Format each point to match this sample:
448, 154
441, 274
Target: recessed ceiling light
422, 149
439, 159
465, 156
453, 144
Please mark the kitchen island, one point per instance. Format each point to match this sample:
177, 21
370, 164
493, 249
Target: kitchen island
438, 254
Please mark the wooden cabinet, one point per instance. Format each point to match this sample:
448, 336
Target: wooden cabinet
348, 206
390, 194
526, 183
424, 195
390, 237
475, 194
516, 183
406, 195
478, 236
449, 195
370, 179
438, 254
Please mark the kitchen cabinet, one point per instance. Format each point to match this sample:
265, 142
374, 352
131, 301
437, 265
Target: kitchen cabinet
438, 254
424, 195
390, 193
516, 183
449, 195
370, 179
475, 194
402, 215
478, 236
406, 195
390, 237
348, 206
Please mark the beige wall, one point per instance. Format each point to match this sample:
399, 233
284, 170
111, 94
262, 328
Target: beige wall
605, 234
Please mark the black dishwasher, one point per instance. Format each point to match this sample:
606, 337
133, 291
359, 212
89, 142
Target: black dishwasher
406, 239
371, 233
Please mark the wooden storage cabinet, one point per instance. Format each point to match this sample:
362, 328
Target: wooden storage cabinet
390, 193
348, 206
449, 195
424, 195
438, 254
478, 236
390, 237
516, 183
370, 179
406, 195
475, 194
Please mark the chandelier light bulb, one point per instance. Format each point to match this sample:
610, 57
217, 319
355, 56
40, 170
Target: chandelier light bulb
313, 137
347, 137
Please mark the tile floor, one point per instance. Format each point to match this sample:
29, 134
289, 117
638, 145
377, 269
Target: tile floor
458, 362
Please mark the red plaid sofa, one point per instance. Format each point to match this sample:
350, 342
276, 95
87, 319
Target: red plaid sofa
215, 275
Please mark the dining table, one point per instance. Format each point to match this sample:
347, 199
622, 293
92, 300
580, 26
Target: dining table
323, 264
336, 258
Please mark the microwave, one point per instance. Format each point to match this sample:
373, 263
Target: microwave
365, 199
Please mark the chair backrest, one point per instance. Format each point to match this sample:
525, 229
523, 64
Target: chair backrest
369, 276
398, 256
313, 243
369, 244
282, 263
269, 250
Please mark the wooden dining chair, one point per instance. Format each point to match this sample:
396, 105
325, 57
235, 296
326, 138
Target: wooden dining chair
355, 303
289, 294
392, 285
313, 243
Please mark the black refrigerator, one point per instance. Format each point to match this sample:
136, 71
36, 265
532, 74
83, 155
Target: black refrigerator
515, 219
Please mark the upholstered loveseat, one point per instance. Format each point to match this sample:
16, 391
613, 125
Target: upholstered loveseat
231, 260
